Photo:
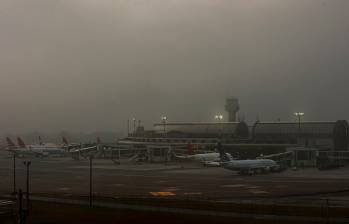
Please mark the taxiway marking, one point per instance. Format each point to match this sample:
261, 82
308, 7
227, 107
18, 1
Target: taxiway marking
162, 193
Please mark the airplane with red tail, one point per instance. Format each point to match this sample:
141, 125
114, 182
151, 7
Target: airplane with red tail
38, 150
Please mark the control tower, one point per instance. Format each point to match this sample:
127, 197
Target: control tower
232, 107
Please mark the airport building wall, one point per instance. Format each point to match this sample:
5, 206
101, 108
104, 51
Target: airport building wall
203, 130
330, 135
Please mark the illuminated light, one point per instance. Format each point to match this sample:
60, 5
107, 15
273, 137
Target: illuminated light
218, 117
162, 193
298, 113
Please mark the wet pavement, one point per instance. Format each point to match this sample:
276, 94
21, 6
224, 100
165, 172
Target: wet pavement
65, 176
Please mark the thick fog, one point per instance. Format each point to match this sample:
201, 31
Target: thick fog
89, 65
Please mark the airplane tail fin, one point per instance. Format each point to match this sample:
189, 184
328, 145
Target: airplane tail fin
20, 142
40, 141
65, 141
225, 157
10, 142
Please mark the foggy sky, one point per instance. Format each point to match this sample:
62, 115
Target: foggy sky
89, 65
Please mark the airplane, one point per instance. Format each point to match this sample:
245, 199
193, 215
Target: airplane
207, 159
38, 150
200, 157
86, 151
69, 146
248, 166
10, 143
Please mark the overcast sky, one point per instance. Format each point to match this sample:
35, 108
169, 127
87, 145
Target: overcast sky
89, 65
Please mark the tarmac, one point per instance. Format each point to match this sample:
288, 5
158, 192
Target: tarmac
67, 177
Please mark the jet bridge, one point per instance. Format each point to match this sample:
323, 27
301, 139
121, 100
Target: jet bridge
158, 154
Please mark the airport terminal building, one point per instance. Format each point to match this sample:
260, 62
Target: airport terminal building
310, 143
331, 135
247, 140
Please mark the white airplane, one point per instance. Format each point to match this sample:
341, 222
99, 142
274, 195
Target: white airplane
39, 150
202, 157
208, 159
68, 146
84, 150
76, 152
248, 166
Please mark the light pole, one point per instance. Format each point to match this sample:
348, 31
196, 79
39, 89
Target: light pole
27, 164
21, 212
14, 174
134, 126
164, 119
128, 127
90, 158
299, 115
219, 118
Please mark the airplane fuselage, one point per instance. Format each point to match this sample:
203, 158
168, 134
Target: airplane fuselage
204, 157
264, 165
38, 150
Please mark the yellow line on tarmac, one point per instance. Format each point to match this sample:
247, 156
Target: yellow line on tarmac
162, 193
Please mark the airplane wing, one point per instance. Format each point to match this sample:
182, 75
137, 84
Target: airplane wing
87, 149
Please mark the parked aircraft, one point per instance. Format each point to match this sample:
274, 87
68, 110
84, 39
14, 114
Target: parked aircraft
208, 159
69, 146
39, 150
200, 157
87, 150
248, 166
